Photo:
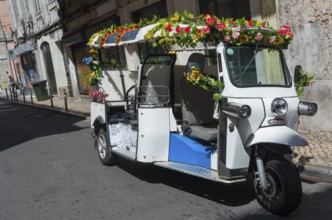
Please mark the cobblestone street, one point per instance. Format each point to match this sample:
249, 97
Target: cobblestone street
319, 151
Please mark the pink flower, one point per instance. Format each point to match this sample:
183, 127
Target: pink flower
285, 27
169, 27
210, 20
187, 29
272, 39
259, 37
221, 26
178, 29
227, 38
235, 34
206, 30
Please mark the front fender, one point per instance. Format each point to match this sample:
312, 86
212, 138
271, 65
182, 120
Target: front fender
277, 135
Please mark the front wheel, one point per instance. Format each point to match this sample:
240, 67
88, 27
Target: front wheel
284, 191
102, 144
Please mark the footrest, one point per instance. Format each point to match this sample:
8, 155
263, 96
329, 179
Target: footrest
195, 171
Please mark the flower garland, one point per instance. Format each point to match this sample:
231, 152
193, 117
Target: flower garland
186, 30
95, 74
208, 83
119, 31
214, 30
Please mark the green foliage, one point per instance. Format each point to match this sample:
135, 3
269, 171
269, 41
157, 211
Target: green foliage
208, 83
303, 81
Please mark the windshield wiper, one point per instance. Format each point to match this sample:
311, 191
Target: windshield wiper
252, 59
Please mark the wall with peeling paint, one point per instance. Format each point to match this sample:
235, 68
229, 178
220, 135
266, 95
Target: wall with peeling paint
311, 22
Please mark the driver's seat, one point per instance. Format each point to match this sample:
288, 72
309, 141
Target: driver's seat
197, 106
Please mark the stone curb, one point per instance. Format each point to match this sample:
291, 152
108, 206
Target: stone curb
316, 173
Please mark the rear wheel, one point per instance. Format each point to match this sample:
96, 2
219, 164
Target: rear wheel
284, 191
102, 144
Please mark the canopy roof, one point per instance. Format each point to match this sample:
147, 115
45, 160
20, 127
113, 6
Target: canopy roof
186, 31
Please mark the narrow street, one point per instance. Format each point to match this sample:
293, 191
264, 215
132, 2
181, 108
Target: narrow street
50, 170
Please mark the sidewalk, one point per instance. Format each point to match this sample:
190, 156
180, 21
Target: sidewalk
79, 107
314, 161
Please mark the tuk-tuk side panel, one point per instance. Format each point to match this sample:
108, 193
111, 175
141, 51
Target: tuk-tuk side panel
112, 84
237, 156
185, 150
153, 134
98, 112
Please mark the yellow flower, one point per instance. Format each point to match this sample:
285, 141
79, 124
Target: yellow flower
172, 52
92, 51
175, 18
279, 40
244, 38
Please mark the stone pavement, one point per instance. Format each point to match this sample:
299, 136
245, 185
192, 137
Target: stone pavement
314, 161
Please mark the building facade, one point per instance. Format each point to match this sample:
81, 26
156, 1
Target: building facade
37, 39
7, 59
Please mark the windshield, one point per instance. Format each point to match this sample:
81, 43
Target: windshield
253, 66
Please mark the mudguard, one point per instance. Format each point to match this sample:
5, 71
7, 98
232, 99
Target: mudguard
282, 135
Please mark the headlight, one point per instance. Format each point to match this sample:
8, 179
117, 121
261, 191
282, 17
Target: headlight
236, 110
244, 111
307, 108
279, 106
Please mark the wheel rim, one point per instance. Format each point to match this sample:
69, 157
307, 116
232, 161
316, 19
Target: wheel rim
102, 146
274, 193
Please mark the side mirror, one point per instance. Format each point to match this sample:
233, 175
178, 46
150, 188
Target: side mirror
297, 73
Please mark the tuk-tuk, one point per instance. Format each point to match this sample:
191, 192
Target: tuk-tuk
218, 102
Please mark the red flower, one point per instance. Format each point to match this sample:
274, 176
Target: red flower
206, 30
250, 23
178, 29
221, 26
136, 26
169, 27
187, 29
131, 28
231, 21
210, 20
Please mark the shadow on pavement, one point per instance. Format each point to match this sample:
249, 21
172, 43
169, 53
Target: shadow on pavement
21, 123
230, 195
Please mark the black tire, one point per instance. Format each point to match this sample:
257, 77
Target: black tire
285, 190
102, 144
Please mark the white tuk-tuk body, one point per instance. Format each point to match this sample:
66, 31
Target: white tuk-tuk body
155, 134
164, 120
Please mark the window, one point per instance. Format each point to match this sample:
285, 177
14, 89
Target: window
117, 53
37, 6
159, 9
146, 48
226, 8
262, 67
